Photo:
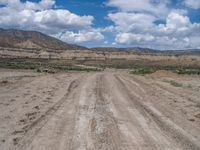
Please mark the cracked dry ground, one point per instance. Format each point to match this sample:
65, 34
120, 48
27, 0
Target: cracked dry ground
97, 111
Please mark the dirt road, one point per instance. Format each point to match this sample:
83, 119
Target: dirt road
97, 111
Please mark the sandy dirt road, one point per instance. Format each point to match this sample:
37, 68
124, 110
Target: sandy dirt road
109, 110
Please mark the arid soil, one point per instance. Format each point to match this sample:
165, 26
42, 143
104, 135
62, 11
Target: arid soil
110, 110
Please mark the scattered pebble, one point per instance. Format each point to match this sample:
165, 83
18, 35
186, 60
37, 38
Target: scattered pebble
12, 100
3, 141
15, 141
37, 107
197, 115
191, 119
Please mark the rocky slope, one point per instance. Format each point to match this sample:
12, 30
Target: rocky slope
13, 38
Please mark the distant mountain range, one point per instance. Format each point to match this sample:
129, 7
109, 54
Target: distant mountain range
148, 50
129, 49
14, 38
32, 40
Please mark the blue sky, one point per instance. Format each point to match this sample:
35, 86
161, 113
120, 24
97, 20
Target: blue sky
158, 24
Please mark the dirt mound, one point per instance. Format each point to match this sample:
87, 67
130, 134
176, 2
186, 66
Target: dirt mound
163, 73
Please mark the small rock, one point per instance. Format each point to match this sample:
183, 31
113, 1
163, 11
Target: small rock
12, 100
37, 107
23, 120
15, 141
191, 119
197, 115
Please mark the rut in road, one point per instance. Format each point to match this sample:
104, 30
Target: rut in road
104, 128
106, 111
137, 130
81, 121
32, 131
175, 133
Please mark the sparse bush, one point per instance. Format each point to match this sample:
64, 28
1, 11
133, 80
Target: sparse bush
143, 71
47, 70
189, 86
176, 84
38, 70
188, 71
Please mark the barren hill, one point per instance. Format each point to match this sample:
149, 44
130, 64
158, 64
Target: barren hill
32, 40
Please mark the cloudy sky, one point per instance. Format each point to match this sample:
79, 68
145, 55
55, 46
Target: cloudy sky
159, 24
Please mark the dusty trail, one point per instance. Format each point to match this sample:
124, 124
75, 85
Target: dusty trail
169, 129
106, 111
139, 130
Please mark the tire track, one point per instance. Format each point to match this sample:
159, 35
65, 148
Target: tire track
139, 131
177, 104
105, 132
105, 111
33, 129
85, 110
153, 87
184, 139
183, 96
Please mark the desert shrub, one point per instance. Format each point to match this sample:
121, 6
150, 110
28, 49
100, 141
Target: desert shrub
188, 71
189, 86
143, 71
176, 84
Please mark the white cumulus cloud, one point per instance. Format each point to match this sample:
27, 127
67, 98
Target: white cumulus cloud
141, 29
42, 16
125, 38
81, 36
156, 7
195, 4
137, 22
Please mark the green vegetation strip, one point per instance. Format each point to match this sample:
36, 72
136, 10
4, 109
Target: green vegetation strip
143, 71
44, 66
188, 71
54, 65
148, 70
